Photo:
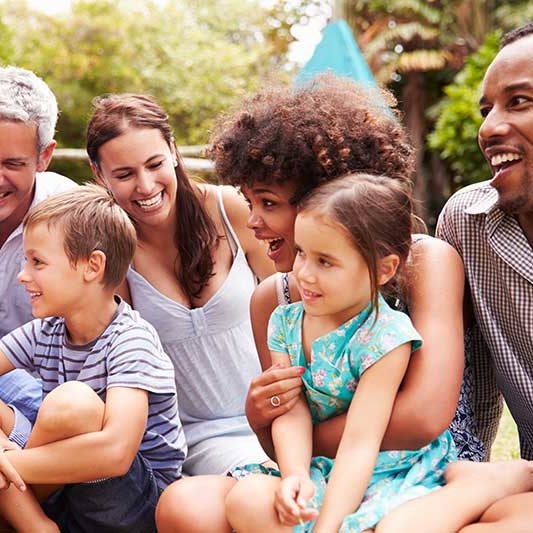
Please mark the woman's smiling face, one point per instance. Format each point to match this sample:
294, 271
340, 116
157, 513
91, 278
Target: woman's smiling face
138, 168
272, 217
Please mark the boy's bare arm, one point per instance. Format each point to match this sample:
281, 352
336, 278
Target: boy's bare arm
5, 364
94, 455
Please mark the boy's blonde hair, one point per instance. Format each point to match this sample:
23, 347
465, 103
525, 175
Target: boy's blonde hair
90, 220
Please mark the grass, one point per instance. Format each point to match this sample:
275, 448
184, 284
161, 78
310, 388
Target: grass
506, 443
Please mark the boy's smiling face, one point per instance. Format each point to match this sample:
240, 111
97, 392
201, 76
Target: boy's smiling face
54, 285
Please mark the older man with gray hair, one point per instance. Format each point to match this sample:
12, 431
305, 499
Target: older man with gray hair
28, 116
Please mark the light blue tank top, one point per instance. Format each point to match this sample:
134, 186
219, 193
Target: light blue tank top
211, 347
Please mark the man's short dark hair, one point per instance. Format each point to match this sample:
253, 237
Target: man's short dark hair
516, 34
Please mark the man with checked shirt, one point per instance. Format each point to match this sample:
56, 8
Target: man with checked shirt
491, 226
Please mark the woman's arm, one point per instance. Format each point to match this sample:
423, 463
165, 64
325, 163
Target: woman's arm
279, 380
428, 396
366, 422
255, 250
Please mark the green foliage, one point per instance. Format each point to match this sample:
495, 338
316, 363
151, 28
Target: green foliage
6, 45
196, 57
455, 133
506, 446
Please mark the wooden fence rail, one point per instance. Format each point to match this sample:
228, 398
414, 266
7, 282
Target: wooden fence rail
191, 158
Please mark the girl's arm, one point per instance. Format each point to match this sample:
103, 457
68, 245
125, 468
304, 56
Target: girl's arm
292, 437
255, 250
428, 397
366, 422
292, 433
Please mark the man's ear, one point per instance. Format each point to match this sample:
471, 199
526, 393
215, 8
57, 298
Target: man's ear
95, 266
45, 156
387, 267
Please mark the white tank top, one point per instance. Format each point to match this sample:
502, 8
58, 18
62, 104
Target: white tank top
211, 347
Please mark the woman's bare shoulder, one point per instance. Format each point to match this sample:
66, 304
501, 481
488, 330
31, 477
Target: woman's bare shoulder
264, 297
429, 251
434, 268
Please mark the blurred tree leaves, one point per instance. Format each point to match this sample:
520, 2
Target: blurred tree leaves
458, 118
196, 57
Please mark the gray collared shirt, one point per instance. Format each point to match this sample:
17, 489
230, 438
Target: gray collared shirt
15, 308
498, 263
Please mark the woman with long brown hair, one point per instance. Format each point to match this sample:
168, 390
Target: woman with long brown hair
192, 276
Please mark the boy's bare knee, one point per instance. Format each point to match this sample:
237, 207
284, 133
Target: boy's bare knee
71, 408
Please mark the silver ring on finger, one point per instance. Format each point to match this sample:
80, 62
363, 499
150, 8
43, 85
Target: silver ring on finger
275, 401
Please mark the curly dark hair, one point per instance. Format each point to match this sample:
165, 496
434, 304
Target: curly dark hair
311, 134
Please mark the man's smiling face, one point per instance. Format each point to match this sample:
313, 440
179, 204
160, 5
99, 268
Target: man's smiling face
506, 134
19, 161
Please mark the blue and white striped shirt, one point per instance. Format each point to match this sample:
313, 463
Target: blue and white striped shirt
127, 354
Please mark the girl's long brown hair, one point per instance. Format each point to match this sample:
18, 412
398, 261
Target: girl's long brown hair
376, 213
196, 235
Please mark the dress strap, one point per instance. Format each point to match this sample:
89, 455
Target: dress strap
233, 241
282, 288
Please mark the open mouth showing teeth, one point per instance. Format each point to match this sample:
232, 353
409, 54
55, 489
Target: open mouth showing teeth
501, 161
274, 244
151, 202
310, 294
35, 294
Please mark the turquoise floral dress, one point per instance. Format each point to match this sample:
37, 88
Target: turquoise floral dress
338, 360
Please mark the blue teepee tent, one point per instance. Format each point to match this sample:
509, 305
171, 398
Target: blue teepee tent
337, 52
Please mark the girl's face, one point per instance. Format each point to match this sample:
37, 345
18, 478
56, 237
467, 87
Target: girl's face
331, 274
272, 220
138, 168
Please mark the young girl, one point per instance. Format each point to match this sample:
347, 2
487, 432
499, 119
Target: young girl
353, 236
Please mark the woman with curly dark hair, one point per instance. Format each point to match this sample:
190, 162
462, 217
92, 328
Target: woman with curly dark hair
278, 145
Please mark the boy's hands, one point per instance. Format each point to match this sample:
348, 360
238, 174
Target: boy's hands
291, 500
8, 474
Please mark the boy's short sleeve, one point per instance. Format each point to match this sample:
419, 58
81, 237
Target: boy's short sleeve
137, 360
277, 339
371, 341
19, 345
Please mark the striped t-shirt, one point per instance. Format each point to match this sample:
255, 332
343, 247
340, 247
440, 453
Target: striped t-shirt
127, 354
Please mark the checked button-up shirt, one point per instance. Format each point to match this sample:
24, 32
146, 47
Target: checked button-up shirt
498, 263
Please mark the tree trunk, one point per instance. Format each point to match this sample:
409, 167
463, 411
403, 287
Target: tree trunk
413, 98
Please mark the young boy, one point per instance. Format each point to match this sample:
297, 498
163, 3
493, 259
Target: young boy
107, 439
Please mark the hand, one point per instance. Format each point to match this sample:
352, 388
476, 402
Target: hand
291, 500
277, 382
8, 474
